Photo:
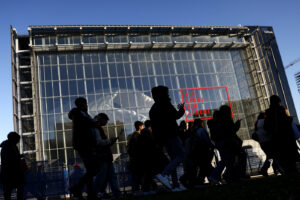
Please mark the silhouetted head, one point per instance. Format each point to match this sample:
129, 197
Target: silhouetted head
13, 137
216, 115
225, 112
275, 100
183, 124
160, 93
81, 103
198, 122
147, 123
102, 118
138, 125
190, 125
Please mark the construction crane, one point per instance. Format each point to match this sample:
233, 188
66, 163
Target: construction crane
292, 63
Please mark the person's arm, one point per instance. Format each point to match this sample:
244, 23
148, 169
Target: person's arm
101, 141
237, 125
180, 111
86, 119
174, 113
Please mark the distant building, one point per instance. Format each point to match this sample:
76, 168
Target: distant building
115, 67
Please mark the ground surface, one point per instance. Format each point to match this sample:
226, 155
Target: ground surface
273, 188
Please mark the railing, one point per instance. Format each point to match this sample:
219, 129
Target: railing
53, 180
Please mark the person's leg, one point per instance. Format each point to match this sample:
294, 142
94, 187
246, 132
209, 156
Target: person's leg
229, 159
146, 179
7, 189
92, 167
185, 179
112, 179
101, 178
20, 192
243, 165
217, 172
175, 151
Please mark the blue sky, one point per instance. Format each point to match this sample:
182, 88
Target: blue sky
284, 16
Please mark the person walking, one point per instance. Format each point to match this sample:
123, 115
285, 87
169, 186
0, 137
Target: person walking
278, 124
107, 172
264, 139
223, 133
84, 143
199, 155
135, 156
165, 129
149, 159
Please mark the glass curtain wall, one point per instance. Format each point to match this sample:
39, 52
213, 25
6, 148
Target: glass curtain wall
119, 84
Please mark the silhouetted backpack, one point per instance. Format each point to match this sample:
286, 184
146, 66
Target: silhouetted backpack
198, 145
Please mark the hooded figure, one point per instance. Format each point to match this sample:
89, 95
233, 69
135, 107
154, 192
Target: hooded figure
12, 171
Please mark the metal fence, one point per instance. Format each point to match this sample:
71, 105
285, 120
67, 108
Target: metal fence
44, 179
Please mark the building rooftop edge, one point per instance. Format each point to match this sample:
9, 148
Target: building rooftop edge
134, 25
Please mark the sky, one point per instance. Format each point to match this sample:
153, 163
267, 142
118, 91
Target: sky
283, 16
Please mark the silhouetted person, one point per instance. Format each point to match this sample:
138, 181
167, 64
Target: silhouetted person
149, 158
264, 139
279, 125
163, 117
199, 155
229, 145
107, 172
12, 172
84, 142
135, 165
37, 178
183, 131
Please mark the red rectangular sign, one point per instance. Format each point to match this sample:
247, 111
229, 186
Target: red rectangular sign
201, 102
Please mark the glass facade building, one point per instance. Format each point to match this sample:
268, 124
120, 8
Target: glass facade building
115, 67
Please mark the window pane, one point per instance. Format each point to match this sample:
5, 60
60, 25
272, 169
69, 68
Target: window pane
135, 69
120, 70
112, 70
98, 86
73, 87
50, 107
103, 69
54, 72
63, 72
96, 71
71, 72
88, 71
64, 88
49, 89
90, 86
127, 69
57, 105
